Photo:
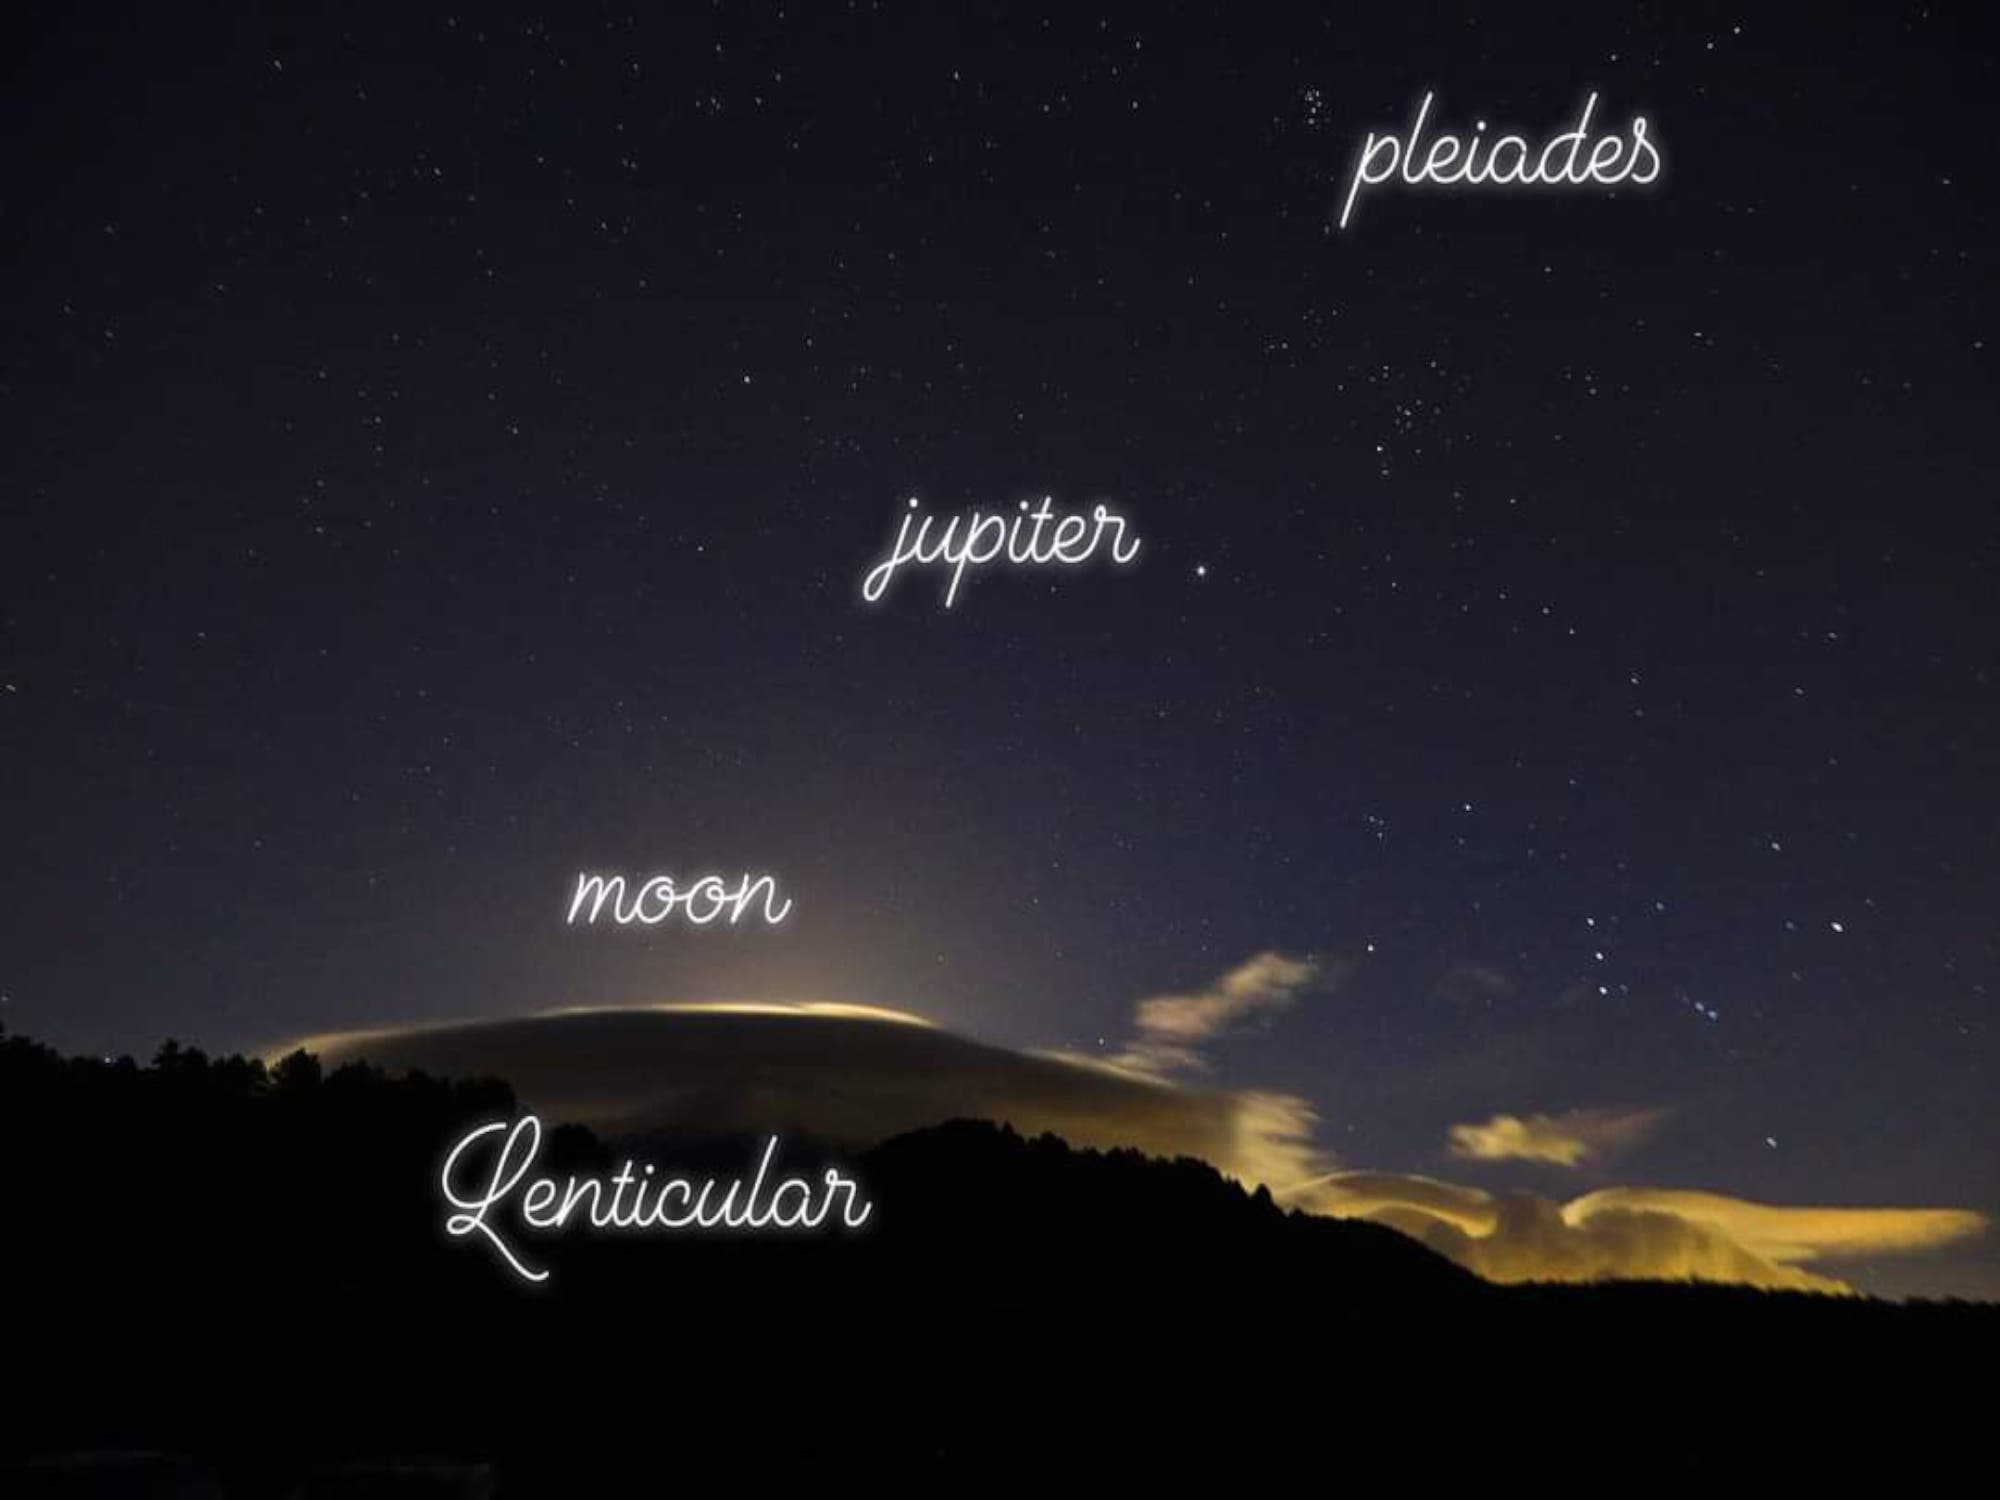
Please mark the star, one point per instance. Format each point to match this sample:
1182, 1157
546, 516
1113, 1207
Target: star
1201, 570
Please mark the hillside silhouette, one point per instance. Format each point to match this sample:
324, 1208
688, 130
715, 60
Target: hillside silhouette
242, 1268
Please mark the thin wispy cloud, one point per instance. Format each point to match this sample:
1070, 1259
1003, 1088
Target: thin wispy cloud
1564, 1140
1172, 1029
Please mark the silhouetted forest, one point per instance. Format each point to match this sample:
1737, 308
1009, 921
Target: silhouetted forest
227, 1279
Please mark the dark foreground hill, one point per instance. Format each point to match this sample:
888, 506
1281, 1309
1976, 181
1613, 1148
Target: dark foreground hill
246, 1271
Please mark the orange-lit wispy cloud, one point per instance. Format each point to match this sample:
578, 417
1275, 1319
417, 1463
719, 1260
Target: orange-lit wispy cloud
1631, 1232
858, 1074
1172, 1028
1518, 1236
1565, 1140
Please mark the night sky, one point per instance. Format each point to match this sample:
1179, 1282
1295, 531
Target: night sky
443, 450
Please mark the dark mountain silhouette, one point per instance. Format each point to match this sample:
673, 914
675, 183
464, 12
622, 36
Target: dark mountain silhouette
243, 1269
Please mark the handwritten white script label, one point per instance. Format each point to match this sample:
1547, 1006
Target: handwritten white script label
650, 902
1503, 161
635, 1198
1024, 540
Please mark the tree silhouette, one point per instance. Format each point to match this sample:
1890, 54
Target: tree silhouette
247, 1264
